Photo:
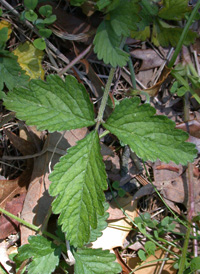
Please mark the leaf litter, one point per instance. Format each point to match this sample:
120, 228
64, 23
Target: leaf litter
169, 179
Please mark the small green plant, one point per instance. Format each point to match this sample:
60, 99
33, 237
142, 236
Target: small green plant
79, 179
121, 191
31, 15
161, 22
187, 79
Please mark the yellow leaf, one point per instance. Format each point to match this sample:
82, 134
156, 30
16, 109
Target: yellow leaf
30, 60
6, 24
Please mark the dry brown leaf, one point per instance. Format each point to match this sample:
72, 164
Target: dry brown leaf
116, 232
153, 91
9, 226
38, 200
194, 127
150, 59
166, 172
174, 186
96, 81
24, 146
153, 268
12, 192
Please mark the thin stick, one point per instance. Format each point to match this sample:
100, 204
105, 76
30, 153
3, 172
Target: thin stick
76, 60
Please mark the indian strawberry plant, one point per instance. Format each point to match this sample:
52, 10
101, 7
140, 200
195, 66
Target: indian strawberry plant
79, 179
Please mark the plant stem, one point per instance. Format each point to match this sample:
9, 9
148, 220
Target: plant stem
104, 98
183, 35
130, 64
31, 226
184, 251
104, 134
191, 209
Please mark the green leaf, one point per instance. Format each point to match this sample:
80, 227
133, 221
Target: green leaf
164, 34
149, 8
147, 12
95, 261
10, 71
31, 15
45, 10
141, 35
49, 20
166, 221
113, 5
118, 22
150, 248
30, 4
39, 23
1, 11
77, 2
142, 255
150, 137
181, 91
101, 225
39, 43
174, 9
53, 105
195, 264
3, 35
106, 45
78, 183
123, 19
101, 4
174, 87
46, 33
41, 251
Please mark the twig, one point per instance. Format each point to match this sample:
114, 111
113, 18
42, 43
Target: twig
77, 59
162, 66
25, 157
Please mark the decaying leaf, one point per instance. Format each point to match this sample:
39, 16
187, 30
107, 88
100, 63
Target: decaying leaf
6, 24
30, 58
9, 226
153, 91
150, 58
174, 185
